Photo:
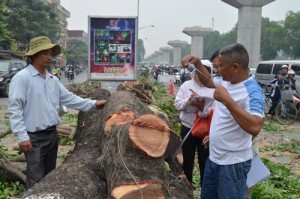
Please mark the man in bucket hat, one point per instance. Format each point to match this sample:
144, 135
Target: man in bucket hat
35, 97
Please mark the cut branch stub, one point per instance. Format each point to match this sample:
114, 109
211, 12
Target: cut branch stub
142, 190
118, 118
150, 135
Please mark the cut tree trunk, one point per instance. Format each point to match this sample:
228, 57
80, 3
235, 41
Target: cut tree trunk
120, 152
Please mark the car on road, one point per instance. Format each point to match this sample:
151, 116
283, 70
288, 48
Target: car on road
252, 71
8, 68
267, 70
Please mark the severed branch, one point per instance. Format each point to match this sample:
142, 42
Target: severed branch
6, 164
5, 133
136, 90
66, 131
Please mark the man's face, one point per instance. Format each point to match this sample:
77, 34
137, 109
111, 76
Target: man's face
216, 66
44, 58
291, 76
226, 68
285, 70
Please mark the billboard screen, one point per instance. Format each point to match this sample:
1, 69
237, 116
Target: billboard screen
112, 48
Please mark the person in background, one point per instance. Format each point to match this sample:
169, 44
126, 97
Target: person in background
216, 66
70, 73
238, 116
184, 75
35, 97
56, 71
184, 99
284, 71
291, 83
277, 84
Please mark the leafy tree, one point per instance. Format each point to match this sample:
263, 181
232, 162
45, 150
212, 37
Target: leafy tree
76, 51
229, 37
292, 28
211, 43
186, 50
140, 50
5, 36
31, 18
215, 40
271, 38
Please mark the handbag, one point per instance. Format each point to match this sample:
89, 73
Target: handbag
201, 126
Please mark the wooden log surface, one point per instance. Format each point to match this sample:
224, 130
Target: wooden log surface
106, 163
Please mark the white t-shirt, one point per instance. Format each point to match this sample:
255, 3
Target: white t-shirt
228, 142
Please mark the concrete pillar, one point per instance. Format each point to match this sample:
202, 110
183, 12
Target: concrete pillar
197, 33
158, 57
155, 58
249, 26
148, 59
177, 45
151, 58
166, 56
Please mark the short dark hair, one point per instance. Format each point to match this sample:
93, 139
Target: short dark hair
238, 54
214, 55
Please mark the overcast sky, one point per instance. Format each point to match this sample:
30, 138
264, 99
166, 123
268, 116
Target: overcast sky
169, 16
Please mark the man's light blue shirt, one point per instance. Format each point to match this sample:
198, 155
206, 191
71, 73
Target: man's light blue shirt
34, 102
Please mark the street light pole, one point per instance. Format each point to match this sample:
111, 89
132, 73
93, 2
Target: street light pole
146, 27
138, 9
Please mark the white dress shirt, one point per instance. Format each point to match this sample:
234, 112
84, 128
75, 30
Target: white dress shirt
34, 102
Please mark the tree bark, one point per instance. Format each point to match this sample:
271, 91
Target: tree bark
120, 152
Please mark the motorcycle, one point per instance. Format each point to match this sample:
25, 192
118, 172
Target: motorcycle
177, 78
70, 75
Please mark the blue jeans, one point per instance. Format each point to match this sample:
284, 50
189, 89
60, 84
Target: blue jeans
225, 181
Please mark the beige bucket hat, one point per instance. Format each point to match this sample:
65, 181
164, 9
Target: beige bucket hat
40, 43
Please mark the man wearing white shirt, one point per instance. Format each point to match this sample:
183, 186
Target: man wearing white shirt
35, 97
237, 118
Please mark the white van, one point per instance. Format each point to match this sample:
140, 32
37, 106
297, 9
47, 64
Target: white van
266, 71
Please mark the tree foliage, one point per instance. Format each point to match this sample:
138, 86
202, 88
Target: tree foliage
5, 36
186, 50
276, 36
215, 40
140, 50
31, 18
272, 33
292, 28
76, 52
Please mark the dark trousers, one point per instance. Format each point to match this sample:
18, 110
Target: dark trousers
189, 151
42, 159
275, 101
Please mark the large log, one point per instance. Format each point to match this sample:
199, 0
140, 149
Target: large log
76, 177
120, 152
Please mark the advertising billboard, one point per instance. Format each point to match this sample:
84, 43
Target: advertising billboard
112, 48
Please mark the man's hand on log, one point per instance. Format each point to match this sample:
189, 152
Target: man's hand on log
25, 146
100, 103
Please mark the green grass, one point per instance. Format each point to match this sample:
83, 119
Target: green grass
282, 184
70, 118
292, 146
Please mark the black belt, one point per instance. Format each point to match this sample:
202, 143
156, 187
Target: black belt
47, 130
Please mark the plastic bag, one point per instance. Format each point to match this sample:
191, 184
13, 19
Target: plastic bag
202, 125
